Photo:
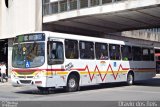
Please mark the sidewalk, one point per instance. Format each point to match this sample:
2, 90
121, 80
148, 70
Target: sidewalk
6, 83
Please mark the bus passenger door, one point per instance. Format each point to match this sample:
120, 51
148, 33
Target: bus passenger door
55, 60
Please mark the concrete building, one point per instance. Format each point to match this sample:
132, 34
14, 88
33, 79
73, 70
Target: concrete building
103, 18
17, 17
23, 16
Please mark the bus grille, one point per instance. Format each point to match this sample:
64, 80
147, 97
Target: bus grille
25, 81
25, 76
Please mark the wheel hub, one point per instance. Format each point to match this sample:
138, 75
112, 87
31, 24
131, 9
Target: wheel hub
72, 83
130, 79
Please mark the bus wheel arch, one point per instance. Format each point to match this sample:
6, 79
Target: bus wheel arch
73, 81
130, 78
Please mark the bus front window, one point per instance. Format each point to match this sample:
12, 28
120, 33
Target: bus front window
28, 55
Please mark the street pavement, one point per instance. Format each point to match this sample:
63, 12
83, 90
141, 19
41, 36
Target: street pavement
148, 90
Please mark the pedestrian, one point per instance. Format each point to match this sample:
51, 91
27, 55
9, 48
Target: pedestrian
3, 72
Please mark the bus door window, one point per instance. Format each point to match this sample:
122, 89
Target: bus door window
55, 53
114, 52
126, 53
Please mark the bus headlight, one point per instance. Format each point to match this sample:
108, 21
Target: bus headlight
13, 74
39, 74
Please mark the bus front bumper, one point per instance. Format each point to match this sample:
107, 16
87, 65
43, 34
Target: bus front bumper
26, 82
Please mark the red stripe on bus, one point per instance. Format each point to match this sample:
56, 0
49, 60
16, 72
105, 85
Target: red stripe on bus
79, 69
33, 70
91, 76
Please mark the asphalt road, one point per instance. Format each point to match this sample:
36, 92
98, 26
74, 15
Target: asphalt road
148, 90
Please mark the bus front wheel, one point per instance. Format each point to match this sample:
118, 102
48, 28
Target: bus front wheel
72, 83
130, 78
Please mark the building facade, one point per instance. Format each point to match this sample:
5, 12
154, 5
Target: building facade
17, 17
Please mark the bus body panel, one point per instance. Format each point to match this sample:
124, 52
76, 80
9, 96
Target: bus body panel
91, 71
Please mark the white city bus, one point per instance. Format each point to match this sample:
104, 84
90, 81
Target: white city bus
54, 60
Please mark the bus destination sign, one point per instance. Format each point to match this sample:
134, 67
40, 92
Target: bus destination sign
30, 37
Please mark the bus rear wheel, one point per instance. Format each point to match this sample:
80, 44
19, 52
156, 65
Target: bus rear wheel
130, 78
72, 83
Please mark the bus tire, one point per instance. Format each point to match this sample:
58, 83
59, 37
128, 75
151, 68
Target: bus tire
130, 78
72, 83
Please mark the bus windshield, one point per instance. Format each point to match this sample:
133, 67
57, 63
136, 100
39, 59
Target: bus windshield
28, 55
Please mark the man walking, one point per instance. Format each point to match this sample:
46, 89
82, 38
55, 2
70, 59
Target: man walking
3, 72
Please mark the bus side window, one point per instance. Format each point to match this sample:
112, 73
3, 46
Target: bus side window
137, 53
86, 50
71, 49
114, 52
126, 53
101, 51
145, 54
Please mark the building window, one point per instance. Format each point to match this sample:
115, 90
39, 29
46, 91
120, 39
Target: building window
83, 3
94, 2
72, 4
63, 6
46, 1
7, 3
106, 1
54, 7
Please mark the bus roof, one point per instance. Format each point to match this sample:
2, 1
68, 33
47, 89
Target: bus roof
87, 38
